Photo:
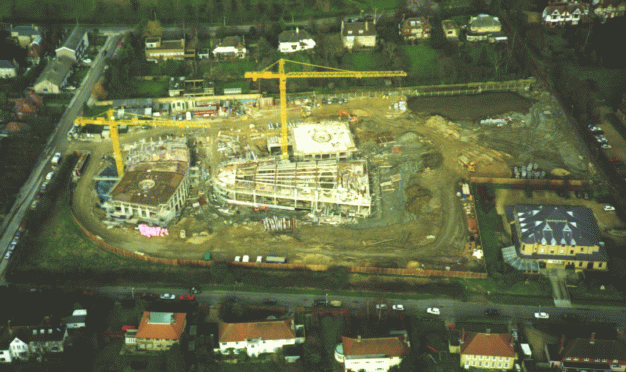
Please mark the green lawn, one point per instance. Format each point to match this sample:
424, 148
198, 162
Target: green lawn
331, 329
422, 60
364, 61
152, 88
610, 82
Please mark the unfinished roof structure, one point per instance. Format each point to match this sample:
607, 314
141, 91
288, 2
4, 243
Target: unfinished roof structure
318, 141
341, 186
155, 184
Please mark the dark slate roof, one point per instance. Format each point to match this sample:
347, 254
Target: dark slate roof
368, 28
25, 31
587, 367
293, 36
74, 39
557, 225
600, 349
6, 64
43, 334
599, 255
57, 70
233, 41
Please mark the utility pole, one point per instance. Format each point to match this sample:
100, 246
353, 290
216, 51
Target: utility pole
326, 299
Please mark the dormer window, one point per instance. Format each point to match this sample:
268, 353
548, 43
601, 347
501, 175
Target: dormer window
586, 359
360, 31
568, 358
349, 32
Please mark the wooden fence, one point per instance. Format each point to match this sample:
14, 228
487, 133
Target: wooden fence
201, 263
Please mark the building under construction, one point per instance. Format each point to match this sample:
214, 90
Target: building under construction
155, 184
328, 183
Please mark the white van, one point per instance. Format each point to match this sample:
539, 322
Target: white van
49, 176
188, 115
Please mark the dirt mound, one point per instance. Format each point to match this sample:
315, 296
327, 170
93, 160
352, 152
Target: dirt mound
440, 124
416, 195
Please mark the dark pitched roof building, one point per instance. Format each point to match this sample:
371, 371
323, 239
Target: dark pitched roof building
588, 354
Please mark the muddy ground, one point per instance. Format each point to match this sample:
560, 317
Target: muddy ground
417, 221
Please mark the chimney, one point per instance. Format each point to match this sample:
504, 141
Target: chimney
488, 333
366, 28
342, 26
358, 338
297, 30
463, 336
592, 339
403, 15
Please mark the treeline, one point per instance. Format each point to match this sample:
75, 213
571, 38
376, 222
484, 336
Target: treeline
189, 11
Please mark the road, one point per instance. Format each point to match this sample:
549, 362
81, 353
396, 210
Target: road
56, 143
450, 309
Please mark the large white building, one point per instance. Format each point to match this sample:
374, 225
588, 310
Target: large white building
258, 338
371, 354
295, 41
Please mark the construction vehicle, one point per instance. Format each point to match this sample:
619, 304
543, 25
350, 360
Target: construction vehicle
136, 120
471, 166
282, 76
353, 118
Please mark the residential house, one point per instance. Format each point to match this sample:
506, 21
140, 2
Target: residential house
415, 29
44, 340
5, 352
230, 47
76, 320
25, 34
486, 350
159, 331
358, 34
75, 45
19, 346
258, 337
587, 354
485, 27
371, 354
28, 107
295, 41
557, 236
158, 50
7, 69
564, 13
12, 129
450, 29
607, 9
54, 76
34, 51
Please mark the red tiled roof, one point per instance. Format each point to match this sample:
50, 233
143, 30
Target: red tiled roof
167, 331
488, 344
391, 346
278, 330
582, 348
15, 126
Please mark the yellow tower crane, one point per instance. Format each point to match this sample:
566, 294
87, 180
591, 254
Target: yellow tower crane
283, 76
109, 120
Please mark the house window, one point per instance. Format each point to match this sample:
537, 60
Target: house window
480, 364
603, 360
474, 357
473, 363
499, 365
571, 251
580, 264
599, 264
615, 361
575, 359
568, 358
481, 357
499, 358
493, 364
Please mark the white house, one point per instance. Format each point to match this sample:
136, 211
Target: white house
54, 76
77, 320
230, 47
294, 41
5, 354
260, 337
75, 45
371, 354
7, 69
558, 14
19, 348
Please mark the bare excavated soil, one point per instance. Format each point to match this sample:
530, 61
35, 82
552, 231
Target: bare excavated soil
413, 162
471, 107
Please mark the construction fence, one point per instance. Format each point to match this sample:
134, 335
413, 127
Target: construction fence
201, 263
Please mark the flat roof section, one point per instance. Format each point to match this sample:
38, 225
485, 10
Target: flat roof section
150, 183
322, 138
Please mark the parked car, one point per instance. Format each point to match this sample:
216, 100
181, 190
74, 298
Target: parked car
167, 296
187, 297
8, 255
127, 327
492, 312
319, 302
104, 52
608, 208
56, 158
148, 295
542, 315
433, 310
49, 176
398, 307
381, 306
195, 290
12, 246
515, 335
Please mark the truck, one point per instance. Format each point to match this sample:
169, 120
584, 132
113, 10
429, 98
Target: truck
335, 303
471, 166
273, 259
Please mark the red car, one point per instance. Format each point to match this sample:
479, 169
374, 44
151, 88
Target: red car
127, 327
120, 44
188, 297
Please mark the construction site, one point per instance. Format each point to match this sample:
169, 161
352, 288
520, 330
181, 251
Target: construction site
371, 181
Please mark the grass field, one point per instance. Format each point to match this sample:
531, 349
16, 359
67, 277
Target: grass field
152, 88
610, 82
423, 60
364, 61
331, 329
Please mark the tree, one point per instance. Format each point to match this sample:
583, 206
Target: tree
153, 29
99, 92
174, 361
323, 5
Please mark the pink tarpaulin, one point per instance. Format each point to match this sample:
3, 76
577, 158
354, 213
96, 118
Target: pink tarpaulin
148, 231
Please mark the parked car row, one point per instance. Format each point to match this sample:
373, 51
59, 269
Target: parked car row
14, 242
598, 134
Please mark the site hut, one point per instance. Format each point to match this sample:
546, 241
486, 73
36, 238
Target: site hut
155, 185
